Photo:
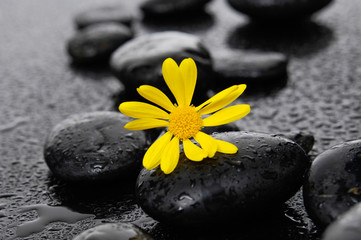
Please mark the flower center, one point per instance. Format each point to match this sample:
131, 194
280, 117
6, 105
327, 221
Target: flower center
185, 122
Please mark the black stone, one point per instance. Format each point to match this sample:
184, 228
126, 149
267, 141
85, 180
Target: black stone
304, 139
94, 146
250, 67
278, 9
97, 42
264, 173
346, 227
140, 60
112, 231
106, 14
334, 182
157, 8
230, 127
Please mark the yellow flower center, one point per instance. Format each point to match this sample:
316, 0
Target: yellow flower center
185, 122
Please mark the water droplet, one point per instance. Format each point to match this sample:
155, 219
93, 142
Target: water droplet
185, 196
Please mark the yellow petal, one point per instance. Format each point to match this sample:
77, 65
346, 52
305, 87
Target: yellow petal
227, 115
173, 79
221, 99
156, 96
193, 152
145, 123
226, 147
207, 142
142, 110
170, 156
188, 71
153, 155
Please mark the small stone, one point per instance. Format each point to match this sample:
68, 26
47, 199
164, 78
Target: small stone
250, 67
114, 231
97, 42
140, 60
157, 8
93, 147
333, 184
113, 14
305, 140
230, 127
346, 227
263, 174
278, 9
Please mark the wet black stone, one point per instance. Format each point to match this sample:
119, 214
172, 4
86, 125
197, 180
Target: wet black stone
112, 231
230, 127
94, 146
346, 227
139, 61
304, 139
334, 182
264, 173
157, 8
278, 9
250, 67
97, 42
106, 14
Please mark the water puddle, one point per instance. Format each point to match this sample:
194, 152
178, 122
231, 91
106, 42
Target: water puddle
46, 215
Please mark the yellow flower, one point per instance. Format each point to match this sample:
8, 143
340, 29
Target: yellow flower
183, 120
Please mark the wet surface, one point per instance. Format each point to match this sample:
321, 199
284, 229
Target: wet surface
40, 87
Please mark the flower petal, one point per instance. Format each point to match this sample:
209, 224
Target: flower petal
207, 142
145, 123
221, 99
226, 147
170, 156
173, 79
153, 155
227, 115
142, 110
156, 96
193, 152
188, 70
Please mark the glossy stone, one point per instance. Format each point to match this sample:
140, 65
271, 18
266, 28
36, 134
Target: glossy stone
250, 67
139, 61
334, 182
105, 14
94, 146
278, 9
264, 173
158, 8
97, 42
346, 227
114, 231
304, 139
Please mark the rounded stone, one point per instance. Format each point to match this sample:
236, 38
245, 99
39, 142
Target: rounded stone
333, 184
93, 147
304, 139
346, 227
106, 14
157, 8
139, 61
97, 42
114, 231
250, 67
263, 174
278, 9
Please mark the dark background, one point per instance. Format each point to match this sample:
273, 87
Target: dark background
40, 87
